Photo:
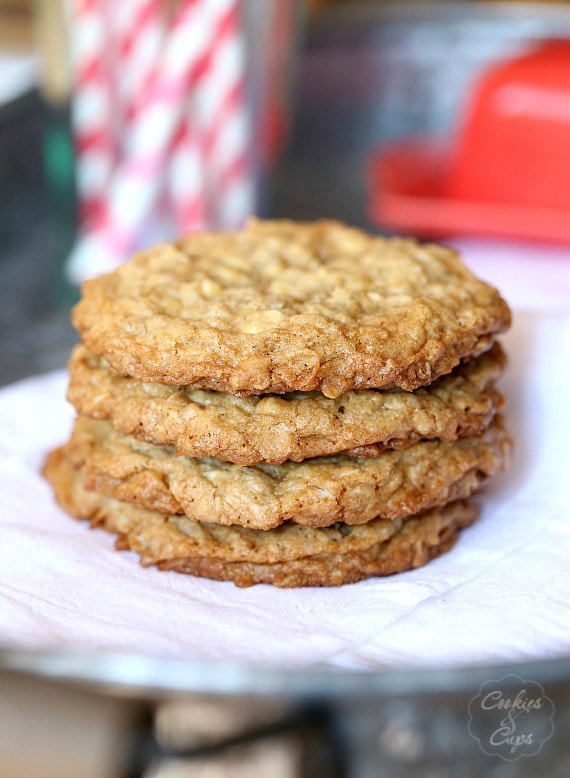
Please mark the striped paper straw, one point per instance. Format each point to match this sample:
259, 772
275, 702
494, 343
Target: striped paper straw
135, 187
186, 174
224, 121
92, 110
185, 113
139, 29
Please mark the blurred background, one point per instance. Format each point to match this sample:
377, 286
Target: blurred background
447, 120
363, 111
431, 118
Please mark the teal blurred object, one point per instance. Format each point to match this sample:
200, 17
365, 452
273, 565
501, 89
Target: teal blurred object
36, 230
59, 165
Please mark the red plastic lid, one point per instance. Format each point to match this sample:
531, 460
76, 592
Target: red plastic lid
409, 193
515, 143
507, 172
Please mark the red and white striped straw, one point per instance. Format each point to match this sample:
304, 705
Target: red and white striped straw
225, 124
92, 110
135, 186
139, 30
186, 177
183, 113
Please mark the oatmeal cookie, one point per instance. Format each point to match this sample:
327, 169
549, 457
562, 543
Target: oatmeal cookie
283, 306
290, 556
294, 426
317, 492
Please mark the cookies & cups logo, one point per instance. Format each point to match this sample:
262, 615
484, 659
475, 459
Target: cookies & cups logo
511, 718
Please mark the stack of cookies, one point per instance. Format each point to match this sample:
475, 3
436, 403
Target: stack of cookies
294, 404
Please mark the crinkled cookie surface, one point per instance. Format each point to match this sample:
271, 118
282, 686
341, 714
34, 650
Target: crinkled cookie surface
290, 556
294, 426
283, 306
317, 492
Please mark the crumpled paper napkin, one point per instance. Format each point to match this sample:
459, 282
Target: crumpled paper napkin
500, 595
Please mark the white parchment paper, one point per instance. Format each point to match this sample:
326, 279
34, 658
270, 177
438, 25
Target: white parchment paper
500, 595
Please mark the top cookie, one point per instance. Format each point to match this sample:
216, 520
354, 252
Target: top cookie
283, 306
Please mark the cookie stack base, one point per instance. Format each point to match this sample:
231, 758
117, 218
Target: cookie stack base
414, 545
379, 548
